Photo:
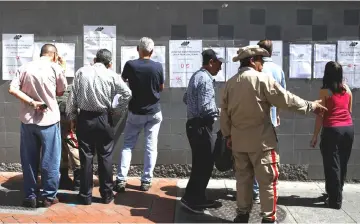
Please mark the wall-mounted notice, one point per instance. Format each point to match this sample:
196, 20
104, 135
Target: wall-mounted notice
323, 54
184, 59
65, 50
130, 53
17, 49
300, 61
220, 51
277, 53
349, 58
96, 38
232, 68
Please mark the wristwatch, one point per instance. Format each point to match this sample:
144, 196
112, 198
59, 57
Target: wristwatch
310, 106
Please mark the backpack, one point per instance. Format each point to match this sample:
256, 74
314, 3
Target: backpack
222, 154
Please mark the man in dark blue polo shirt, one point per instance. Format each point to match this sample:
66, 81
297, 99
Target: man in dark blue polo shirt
146, 81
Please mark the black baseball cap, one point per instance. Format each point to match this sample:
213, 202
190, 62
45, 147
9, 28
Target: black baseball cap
211, 54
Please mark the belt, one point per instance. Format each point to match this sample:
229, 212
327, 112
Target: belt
98, 114
201, 121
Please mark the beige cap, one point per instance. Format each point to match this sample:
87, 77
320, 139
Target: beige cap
250, 51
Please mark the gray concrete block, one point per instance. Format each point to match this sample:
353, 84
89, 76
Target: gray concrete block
2, 125
164, 141
286, 126
12, 140
177, 95
8, 97
165, 95
304, 126
3, 158
337, 32
2, 138
210, 32
165, 127
356, 143
164, 157
179, 142
297, 33
354, 157
137, 157
178, 110
287, 158
316, 172
353, 171
178, 126
178, 156
12, 124
356, 123
302, 141
12, 110
286, 143
2, 109
140, 144
166, 110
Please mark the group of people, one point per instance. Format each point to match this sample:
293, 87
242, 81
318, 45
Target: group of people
76, 128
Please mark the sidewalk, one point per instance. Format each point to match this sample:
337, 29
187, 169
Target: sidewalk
298, 203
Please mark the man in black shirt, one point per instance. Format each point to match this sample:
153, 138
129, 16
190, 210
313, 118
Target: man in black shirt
146, 81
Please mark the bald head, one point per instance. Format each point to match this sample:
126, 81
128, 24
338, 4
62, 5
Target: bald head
48, 50
267, 45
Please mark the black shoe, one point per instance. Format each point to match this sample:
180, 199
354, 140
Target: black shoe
49, 202
192, 208
30, 203
268, 221
209, 204
108, 199
242, 218
84, 201
76, 182
145, 186
65, 181
332, 205
119, 186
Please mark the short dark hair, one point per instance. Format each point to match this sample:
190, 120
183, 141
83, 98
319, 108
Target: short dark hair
245, 62
333, 77
267, 45
48, 48
103, 56
207, 55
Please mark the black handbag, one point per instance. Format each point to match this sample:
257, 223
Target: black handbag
222, 154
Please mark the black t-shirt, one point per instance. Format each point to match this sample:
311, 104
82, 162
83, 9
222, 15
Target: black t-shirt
145, 77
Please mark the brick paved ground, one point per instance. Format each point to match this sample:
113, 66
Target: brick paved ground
133, 206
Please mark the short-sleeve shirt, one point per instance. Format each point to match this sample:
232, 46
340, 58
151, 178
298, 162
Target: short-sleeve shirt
145, 78
40, 80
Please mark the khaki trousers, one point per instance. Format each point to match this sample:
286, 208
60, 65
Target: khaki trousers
265, 166
69, 152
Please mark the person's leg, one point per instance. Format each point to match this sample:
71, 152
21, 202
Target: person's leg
86, 140
29, 153
266, 164
256, 197
74, 159
104, 148
244, 174
331, 161
134, 124
50, 164
65, 181
151, 132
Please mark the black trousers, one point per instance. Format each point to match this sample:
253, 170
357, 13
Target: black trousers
95, 133
336, 144
199, 133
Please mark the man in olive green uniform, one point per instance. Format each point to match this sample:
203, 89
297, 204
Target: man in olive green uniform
246, 122
70, 151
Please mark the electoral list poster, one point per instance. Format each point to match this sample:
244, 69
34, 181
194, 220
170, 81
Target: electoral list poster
96, 38
184, 60
17, 49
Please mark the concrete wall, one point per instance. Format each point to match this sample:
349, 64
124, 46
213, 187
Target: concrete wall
230, 24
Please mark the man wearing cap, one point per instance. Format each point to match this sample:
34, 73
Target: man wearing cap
93, 90
201, 113
246, 123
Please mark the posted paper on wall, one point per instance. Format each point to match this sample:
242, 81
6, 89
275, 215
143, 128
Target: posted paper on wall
349, 58
232, 68
65, 50
130, 53
300, 61
17, 49
323, 54
220, 51
277, 54
96, 38
184, 60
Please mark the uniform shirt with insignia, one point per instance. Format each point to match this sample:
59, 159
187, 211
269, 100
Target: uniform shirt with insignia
94, 88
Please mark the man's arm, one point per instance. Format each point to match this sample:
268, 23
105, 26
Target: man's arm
61, 82
124, 93
205, 93
225, 120
71, 103
283, 84
161, 78
126, 72
14, 89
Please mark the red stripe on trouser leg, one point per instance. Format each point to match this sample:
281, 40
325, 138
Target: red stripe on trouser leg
276, 175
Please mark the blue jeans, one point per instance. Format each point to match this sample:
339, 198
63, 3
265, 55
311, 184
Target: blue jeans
134, 124
255, 188
48, 139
